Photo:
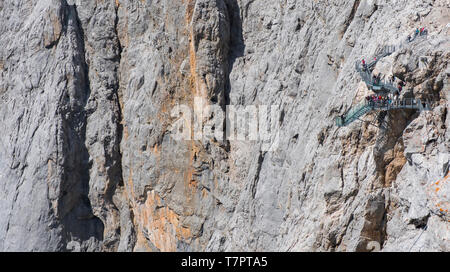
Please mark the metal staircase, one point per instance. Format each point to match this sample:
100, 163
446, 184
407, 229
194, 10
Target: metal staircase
380, 88
366, 72
353, 114
371, 106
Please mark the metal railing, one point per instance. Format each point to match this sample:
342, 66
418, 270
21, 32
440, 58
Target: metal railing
380, 53
376, 86
390, 104
367, 106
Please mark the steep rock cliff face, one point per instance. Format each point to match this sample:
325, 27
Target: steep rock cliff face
88, 161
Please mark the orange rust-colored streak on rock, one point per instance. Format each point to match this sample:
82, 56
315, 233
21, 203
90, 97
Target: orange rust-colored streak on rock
189, 10
155, 221
141, 242
198, 88
129, 189
204, 192
193, 185
125, 132
156, 150
161, 223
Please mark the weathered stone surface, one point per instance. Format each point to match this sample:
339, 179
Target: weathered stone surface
88, 161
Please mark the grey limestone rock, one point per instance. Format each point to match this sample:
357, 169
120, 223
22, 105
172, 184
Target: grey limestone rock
88, 161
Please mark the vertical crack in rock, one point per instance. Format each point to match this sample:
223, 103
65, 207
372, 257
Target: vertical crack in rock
115, 172
125, 208
350, 18
254, 184
104, 122
236, 48
81, 229
236, 42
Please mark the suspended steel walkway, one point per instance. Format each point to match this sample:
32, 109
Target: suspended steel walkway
365, 72
381, 88
372, 106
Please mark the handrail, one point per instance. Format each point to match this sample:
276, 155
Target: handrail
387, 104
379, 54
367, 106
372, 85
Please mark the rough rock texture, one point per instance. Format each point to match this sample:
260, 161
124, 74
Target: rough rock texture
87, 161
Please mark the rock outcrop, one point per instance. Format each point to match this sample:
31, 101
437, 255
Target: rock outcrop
89, 161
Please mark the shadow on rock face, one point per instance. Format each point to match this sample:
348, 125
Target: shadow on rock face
236, 43
81, 230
